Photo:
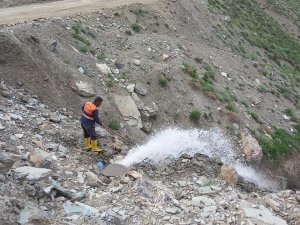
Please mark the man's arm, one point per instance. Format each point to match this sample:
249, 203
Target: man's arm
96, 117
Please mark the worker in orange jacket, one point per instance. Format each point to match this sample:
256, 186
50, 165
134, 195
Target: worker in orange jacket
88, 120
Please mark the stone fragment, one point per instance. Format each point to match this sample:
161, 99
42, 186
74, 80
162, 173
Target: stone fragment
52, 45
141, 89
173, 211
273, 204
164, 57
130, 88
136, 62
251, 148
6, 162
4, 91
135, 174
92, 179
54, 117
83, 89
81, 70
229, 174
104, 69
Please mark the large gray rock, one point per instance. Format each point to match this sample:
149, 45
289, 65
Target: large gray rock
80, 209
33, 215
251, 148
262, 216
31, 173
84, 89
129, 110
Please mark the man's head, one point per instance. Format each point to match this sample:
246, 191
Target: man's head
98, 101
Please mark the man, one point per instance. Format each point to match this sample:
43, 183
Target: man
89, 119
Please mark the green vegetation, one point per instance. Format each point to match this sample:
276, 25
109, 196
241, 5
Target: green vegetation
231, 107
249, 20
198, 60
139, 12
79, 35
189, 69
290, 112
255, 116
163, 82
227, 95
207, 79
244, 103
288, 8
280, 143
101, 56
114, 125
195, 115
136, 27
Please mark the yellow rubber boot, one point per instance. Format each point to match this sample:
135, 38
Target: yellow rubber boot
87, 144
95, 147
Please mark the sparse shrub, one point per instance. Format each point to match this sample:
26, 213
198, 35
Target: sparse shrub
207, 79
255, 116
180, 46
84, 48
114, 125
176, 115
139, 12
82, 39
263, 88
136, 27
195, 115
244, 103
110, 83
231, 107
101, 56
163, 82
189, 69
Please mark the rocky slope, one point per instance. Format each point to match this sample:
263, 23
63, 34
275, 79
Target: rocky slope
46, 178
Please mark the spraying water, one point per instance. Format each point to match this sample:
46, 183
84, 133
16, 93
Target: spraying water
175, 142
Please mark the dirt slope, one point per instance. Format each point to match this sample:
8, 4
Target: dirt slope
60, 8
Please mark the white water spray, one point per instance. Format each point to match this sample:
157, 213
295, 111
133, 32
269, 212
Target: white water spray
174, 142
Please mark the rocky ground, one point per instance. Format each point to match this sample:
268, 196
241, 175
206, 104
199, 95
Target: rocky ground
13, 3
46, 178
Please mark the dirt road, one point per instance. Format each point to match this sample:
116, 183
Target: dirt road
59, 8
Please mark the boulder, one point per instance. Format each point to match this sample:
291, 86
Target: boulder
84, 89
129, 110
31, 173
229, 174
251, 148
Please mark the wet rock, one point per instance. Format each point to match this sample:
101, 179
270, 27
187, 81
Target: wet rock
34, 216
251, 148
141, 89
84, 89
229, 174
31, 173
104, 69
